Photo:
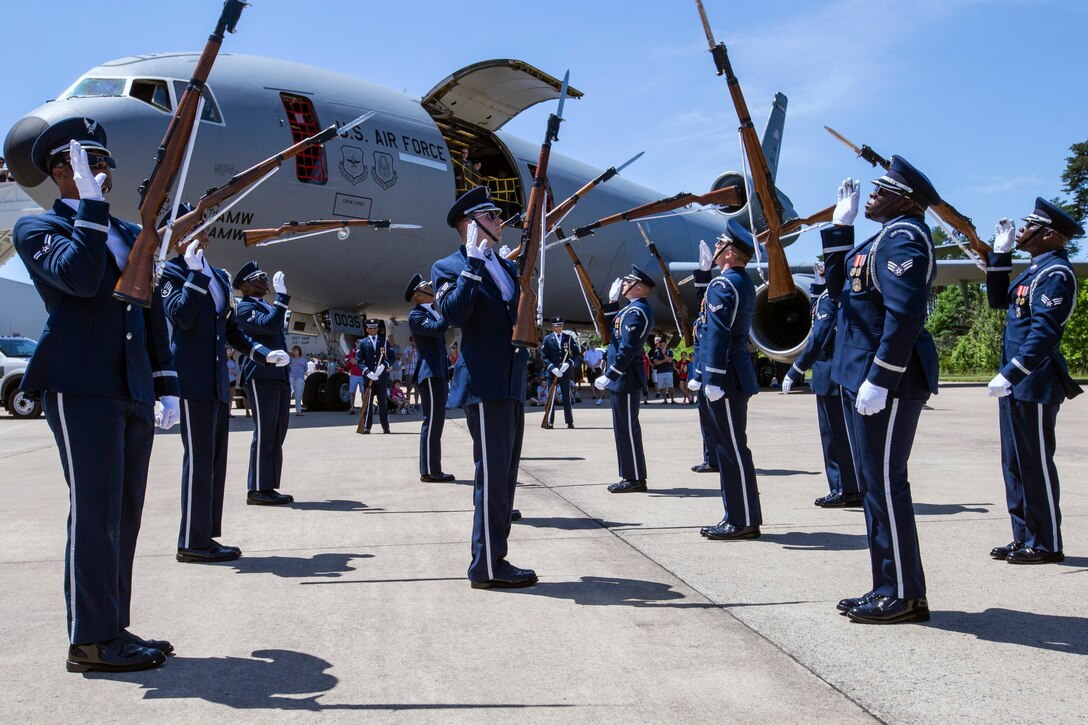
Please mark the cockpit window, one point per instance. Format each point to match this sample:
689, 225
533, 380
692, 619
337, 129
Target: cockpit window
98, 88
211, 109
153, 92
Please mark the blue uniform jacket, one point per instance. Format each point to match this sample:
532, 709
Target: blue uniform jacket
370, 355
723, 348
92, 344
199, 335
264, 323
429, 332
489, 367
553, 349
630, 330
1039, 303
882, 287
820, 347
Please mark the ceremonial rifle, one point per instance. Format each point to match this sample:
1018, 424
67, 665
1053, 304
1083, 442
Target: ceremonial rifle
552, 390
793, 225
589, 293
300, 230
526, 333
369, 392
139, 278
945, 211
679, 310
778, 268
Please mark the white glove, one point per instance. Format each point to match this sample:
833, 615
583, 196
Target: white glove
279, 284
871, 398
614, 293
373, 376
504, 251
279, 358
472, 249
601, 383
194, 256
713, 393
818, 273
1005, 239
557, 372
999, 386
88, 185
564, 368
379, 370
694, 385
846, 210
787, 385
706, 257
171, 412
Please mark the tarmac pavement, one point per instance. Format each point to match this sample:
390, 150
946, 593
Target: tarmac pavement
352, 604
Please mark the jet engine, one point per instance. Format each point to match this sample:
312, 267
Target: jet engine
780, 329
732, 178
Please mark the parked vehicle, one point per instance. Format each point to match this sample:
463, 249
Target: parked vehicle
15, 353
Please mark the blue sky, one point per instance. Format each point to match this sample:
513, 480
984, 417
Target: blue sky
974, 92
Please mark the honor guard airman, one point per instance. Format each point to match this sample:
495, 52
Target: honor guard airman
838, 461
886, 364
702, 277
199, 303
431, 376
478, 291
99, 367
729, 380
561, 356
374, 359
1034, 378
624, 376
267, 389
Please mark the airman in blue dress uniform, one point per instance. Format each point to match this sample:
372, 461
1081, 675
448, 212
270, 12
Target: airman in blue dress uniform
200, 307
838, 461
373, 355
428, 329
99, 367
478, 291
729, 380
267, 389
561, 356
1034, 378
625, 376
702, 277
886, 364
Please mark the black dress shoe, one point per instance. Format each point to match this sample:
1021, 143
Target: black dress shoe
510, 578
845, 605
386, 430
627, 486
113, 656
840, 501
823, 499
515, 515
438, 478
704, 468
889, 610
351, 411
1029, 555
160, 644
209, 555
1002, 552
268, 497
570, 425
721, 524
366, 432
729, 532
227, 547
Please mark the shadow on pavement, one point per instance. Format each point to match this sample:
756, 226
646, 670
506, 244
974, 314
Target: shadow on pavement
330, 505
569, 523
685, 492
1041, 631
817, 540
552, 458
784, 472
612, 591
950, 509
292, 567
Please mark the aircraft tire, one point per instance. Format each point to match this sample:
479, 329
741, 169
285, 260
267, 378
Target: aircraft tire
312, 398
335, 392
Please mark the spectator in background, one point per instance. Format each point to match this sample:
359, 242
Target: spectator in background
233, 371
398, 401
593, 359
682, 376
410, 362
311, 367
356, 381
5, 175
454, 355
541, 395
396, 361
649, 377
296, 376
661, 358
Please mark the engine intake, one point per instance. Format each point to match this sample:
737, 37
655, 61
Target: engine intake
781, 329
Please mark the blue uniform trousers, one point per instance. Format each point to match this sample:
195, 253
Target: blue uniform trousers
737, 473
433, 393
497, 428
1031, 479
564, 390
628, 434
838, 460
270, 401
881, 445
205, 425
710, 451
379, 394
105, 446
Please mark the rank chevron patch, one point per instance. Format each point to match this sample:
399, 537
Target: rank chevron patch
900, 268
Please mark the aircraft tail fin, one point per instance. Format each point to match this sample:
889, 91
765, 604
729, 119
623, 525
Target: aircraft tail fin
772, 134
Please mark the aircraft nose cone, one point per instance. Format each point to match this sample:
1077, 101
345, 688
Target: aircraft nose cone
17, 146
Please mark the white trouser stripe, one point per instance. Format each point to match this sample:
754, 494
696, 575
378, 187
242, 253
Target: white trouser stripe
888, 499
849, 441
72, 505
631, 432
430, 424
187, 424
257, 420
487, 508
1046, 478
740, 463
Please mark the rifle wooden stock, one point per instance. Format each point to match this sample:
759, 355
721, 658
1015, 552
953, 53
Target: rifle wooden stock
729, 196
549, 405
596, 309
682, 317
793, 225
254, 237
558, 212
138, 279
955, 219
